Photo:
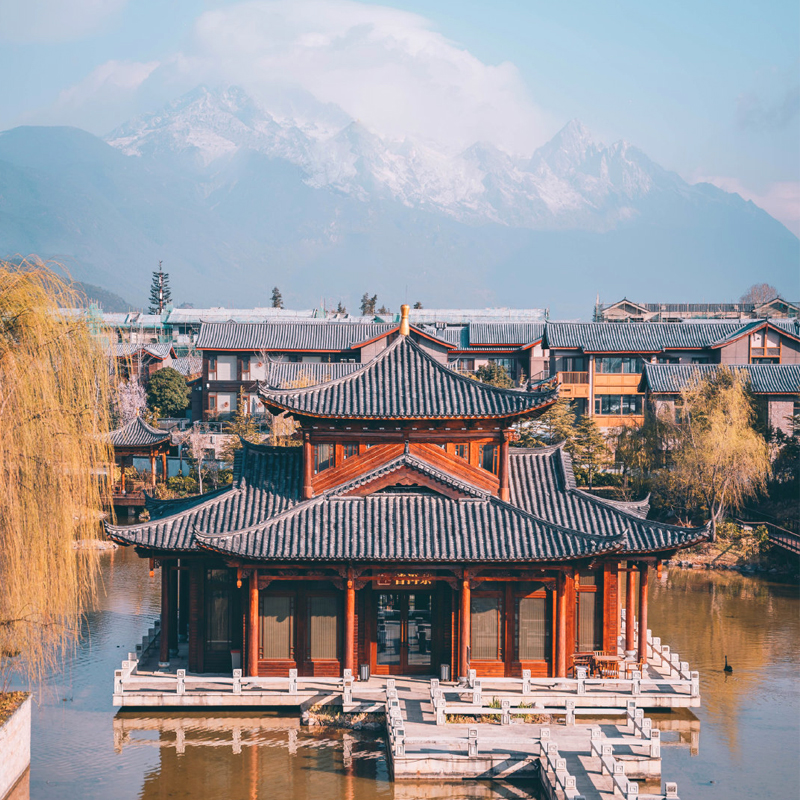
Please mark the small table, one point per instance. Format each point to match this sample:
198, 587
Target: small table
601, 662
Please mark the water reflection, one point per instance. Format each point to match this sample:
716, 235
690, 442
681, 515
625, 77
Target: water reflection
750, 719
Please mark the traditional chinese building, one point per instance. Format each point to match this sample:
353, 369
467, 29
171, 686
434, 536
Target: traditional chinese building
405, 533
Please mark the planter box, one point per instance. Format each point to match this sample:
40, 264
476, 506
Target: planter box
15, 747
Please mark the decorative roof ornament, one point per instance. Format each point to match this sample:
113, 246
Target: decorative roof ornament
405, 327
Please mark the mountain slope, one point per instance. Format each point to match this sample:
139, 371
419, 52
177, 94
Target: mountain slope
235, 200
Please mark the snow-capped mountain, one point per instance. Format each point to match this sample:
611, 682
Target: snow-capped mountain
570, 182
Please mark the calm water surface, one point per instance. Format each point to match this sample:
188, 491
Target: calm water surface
745, 744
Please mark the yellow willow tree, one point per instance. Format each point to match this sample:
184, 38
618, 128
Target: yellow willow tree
719, 460
54, 453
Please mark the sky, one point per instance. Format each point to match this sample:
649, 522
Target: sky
710, 90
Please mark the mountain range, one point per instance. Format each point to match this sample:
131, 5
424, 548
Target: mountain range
235, 199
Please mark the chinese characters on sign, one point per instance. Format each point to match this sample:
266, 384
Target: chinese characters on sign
405, 579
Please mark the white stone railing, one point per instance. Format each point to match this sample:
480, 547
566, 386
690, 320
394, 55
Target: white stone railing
554, 768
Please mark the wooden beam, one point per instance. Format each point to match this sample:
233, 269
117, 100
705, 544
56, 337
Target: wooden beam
503, 468
349, 621
252, 624
308, 468
464, 639
643, 570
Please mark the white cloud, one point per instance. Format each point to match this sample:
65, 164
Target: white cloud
101, 99
54, 20
781, 199
384, 67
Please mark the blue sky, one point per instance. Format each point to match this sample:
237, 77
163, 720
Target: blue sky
710, 90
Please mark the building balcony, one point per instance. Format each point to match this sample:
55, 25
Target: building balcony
573, 378
765, 352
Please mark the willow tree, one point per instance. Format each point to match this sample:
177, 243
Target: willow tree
719, 460
54, 452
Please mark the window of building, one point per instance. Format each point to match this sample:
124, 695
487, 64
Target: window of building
212, 401
668, 360
323, 457
485, 628
464, 364
323, 628
277, 627
574, 364
701, 360
589, 628
506, 363
218, 610
533, 628
349, 449
489, 457
615, 404
212, 368
244, 368
628, 365
462, 451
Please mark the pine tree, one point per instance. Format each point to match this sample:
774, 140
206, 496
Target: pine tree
557, 424
495, 375
589, 451
418, 305
277, 299
368, 305
160, 294
383, 310
340, 309
242, 425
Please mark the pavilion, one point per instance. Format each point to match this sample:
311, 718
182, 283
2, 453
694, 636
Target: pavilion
405, 533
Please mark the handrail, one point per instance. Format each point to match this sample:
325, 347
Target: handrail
555, 768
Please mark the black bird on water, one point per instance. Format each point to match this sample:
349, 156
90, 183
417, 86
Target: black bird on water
728, 667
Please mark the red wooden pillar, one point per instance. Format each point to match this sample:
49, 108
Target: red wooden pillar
163, 467
163, 656
561, 626
349, 621
643, 570
464, 638
153, 469
308, 468
505, 494
252, 625
629, 608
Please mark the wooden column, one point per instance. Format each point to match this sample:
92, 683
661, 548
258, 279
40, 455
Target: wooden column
629, 608
163, 656
643, 570
153, 469
122, 475
308, 468
561, 626
173, 611
349, 621
196, 603
503, 465
163, 467
252, 625
464, 638
183, 603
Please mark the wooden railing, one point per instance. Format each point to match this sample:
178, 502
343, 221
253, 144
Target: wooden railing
765, 352
573, 377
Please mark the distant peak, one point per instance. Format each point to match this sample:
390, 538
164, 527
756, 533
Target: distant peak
575, 133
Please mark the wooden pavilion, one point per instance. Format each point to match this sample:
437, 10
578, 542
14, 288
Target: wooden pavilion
404, 534
137, 439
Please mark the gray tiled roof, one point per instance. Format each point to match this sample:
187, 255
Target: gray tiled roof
128, 350
763, 378
261, 516
282, 374
137, 433
630, 337
269, 484
188, 365
319, 335
407, 527
403, 381
543, 483
505, 333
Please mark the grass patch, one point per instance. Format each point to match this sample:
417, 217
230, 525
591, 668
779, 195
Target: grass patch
9, 703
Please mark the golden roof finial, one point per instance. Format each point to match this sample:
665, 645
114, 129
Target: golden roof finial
405, 328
